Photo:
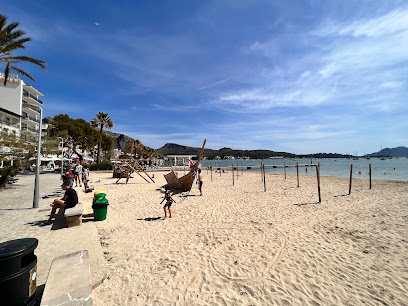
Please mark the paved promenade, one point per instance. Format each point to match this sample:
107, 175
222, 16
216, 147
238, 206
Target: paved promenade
20, 220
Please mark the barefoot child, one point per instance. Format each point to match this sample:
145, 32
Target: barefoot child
169, 201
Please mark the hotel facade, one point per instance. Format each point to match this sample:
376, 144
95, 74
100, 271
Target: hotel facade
19, 109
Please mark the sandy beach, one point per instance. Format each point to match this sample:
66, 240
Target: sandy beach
239, 245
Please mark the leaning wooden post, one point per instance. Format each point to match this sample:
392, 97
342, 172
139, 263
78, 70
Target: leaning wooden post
369, 172
211, 172
318, 182
233, 178
297, 173
264, 179
351, 177
284, 167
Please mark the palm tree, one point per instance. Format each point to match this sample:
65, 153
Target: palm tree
11, 40
102, 120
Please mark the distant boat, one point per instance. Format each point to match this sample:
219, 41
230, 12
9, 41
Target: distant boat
383, 158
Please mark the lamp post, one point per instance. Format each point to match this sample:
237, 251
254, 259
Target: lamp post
62, 158
37, 169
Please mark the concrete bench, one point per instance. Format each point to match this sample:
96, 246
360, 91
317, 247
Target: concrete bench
69, 281
73, 216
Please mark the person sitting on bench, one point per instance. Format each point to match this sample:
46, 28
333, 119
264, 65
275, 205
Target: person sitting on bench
69, 200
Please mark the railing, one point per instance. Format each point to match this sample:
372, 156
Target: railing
8, 123
10, 76
26, 94
29, 128
32, 107
25, 116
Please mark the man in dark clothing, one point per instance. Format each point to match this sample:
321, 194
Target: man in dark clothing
69, 200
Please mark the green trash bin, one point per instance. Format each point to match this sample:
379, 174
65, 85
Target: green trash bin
100, 205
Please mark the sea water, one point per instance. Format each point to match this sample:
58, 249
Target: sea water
388, 169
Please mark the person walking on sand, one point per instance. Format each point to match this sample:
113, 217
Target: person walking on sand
200, 181
169, 201
69, 200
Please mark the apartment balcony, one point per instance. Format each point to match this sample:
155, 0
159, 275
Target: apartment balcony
31, 99
29, 119
29, 109
29, 130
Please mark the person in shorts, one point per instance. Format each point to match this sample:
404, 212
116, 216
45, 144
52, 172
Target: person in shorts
69, 200
200, 181
169, 201
77, 173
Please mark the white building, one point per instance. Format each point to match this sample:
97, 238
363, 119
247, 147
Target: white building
22, 101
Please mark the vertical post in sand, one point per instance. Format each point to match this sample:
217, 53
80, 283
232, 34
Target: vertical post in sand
211, 172
261, 172
264, 178
369, 172
233, 179
297, 173
351, 176
318, 182
237, 170
284, 167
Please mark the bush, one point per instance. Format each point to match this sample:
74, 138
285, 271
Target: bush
101, 166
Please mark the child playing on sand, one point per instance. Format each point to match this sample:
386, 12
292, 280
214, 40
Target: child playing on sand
169, 201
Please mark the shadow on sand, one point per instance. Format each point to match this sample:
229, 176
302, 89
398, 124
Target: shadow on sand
151, 219
301, 204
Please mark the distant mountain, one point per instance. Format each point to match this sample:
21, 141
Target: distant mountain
124, 142
394, 152
175, 149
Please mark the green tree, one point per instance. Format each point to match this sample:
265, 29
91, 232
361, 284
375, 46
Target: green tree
77, 133
102, 120
12, 39
15, 154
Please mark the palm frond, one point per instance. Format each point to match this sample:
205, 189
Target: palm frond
11, 46
31, 60
12, 26
21, 71
11, 38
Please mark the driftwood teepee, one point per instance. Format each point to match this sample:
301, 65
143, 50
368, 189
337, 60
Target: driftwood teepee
132, 165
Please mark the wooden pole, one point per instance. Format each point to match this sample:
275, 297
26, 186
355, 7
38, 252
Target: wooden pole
264, 179
211, 172
284, 167
233, 179
369, 172
297, 173
237, 170
261, 172
351, 177
318, 182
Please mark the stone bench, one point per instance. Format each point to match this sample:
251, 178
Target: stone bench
73, 216
69, 281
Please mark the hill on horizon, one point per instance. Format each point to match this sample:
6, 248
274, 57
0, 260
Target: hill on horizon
393, 152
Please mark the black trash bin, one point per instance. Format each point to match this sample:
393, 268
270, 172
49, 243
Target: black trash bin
18, 272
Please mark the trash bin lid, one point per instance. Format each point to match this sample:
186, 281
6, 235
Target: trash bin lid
15, 247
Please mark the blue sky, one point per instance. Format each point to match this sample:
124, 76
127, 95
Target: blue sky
295, 76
